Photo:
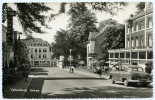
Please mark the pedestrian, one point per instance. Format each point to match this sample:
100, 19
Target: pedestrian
72, 69
99, 71
147, 68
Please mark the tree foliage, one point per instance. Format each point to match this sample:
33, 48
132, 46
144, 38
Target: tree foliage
81, 21
113, 37
110, 7
29, 15
104, 23
140, 6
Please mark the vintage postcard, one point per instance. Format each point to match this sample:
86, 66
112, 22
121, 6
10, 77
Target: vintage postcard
70, 50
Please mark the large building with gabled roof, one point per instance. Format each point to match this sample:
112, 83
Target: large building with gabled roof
39, 52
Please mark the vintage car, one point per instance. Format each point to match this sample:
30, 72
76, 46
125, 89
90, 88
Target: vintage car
130, 75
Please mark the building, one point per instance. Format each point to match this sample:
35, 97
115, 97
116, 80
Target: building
94, 47
39, 53
138, 39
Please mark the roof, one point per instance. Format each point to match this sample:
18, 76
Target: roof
93, 34
35, 42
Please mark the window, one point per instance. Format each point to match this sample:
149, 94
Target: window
150, 23
136, 42
31, 56
142, 24
45, 49
116, 55
132, 40
39, 56
35, 49
128, 55
122, 55
128, 43
134, 55
111, 55
136, 26
44, 55
39, 49
149, 40
149, 55
54, 63
141, 41
142, 55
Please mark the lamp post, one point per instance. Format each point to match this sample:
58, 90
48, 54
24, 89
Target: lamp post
130, 22
70, 56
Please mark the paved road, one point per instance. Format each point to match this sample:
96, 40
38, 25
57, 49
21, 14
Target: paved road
55, 83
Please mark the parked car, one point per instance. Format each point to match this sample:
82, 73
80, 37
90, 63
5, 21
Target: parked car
130, 75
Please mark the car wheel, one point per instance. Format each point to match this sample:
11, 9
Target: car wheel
126, 83
112, 80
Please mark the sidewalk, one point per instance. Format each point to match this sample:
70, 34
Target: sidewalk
17, 90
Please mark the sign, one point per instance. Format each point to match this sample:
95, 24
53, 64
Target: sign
10, 15
92, 55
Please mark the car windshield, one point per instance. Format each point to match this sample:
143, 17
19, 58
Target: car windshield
137, 69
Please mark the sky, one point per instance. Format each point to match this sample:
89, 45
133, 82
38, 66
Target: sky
61, 21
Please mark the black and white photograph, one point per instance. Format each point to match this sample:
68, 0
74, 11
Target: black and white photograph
77, 50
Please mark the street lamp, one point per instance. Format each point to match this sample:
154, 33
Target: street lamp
70, 56
130, 22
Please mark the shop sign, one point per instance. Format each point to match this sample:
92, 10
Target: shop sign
10, 15
92, 55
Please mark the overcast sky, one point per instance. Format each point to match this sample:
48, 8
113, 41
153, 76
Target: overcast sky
61, 20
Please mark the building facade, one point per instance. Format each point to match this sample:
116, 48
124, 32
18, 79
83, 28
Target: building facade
94, 48
138, 39
40, 53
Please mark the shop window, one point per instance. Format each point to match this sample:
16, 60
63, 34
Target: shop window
128, 55
122, 55
116, 55
36, 62
134, 55
111, 55
54, 63
149, 55
142, 55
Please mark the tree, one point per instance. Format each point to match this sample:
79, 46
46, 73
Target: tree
29, 15
82, 21
109, 7
104, 23
113, 37
140, 6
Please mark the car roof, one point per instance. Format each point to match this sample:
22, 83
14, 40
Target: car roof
131, 66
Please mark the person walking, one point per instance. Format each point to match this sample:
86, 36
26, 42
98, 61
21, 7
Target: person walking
72, 69
99, 71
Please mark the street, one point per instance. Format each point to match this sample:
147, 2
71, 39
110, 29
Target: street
59, 83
